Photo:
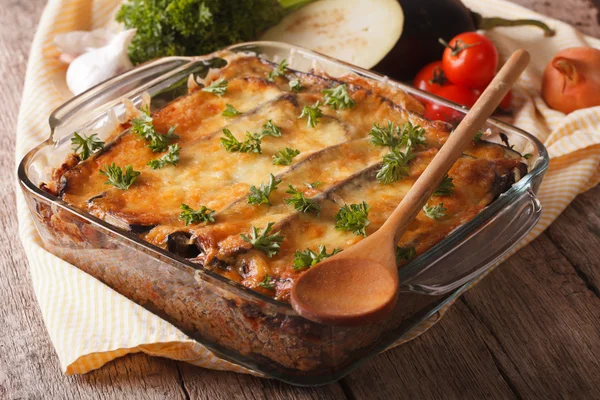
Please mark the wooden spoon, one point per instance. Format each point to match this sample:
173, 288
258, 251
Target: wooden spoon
360, 284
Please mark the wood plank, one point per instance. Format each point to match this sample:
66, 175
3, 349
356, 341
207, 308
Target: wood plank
582, 14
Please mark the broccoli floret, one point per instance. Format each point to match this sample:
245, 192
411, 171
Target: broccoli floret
196, 27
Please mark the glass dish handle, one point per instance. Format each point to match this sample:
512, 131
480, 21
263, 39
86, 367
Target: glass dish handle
479, 251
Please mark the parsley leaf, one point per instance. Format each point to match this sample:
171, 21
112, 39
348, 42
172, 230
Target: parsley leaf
267, 283
313, 185
308, 258
338, 97
408, 135
353, 218
405, 253
218, 87
84, 146
250, 145
446, 187
478, 136
435, 212
278, 71
230, 111
395, 166
171, 158
527, 156
301, 203
270, 129
191, 216
118, 178
261, 195
312, 113
412, 135
269, 244
295, 85
144, 128
285, 156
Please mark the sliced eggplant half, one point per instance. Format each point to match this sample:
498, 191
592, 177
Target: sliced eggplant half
356, 31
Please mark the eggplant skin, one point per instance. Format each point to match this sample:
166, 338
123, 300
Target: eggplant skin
425, 21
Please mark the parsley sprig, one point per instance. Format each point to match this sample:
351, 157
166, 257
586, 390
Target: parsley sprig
392, 135
278, 71
300, 202
338, 97
308, 258
353, 218
119, 178
218, 87
84, 146
270, 129
395, 166
445, 188
252, 144
144, 128
171, 158
312, 113
230, 111
405, 253
285, 156
261, 195
295, 85
191, 216
268, 282
435, 212
263, 241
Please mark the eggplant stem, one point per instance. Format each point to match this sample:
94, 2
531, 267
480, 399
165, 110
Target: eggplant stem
292, 5
493, 22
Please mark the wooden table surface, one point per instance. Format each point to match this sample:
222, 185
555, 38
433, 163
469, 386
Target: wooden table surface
529, 330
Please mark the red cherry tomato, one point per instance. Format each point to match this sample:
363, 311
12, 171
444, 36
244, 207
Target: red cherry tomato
471, 60
431, 77
457, 94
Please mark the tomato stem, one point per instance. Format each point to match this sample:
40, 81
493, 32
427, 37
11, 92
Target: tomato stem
493, 22
438, 77
459, 46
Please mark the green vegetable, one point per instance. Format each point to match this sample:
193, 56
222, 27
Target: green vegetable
312, 113
405, 253
435, 212
261, 195
527, 156
190, 216
446, 187
270, 129
353, 218
285, 156
395, 166
218, 87
338, 97
308, 258
408, 135
295, 85
313, 185
171, 158
478, 136
301, 203
144, 128
230, 111
267, 283
118, 178
279, 71
196, 27
250, 145
84, 146
264, 242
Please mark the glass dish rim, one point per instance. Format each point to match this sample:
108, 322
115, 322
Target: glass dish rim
460, 233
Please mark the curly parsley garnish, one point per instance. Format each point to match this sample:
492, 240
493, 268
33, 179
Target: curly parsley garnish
191, 216
446, 187
300, 202
230, 111
144, 128
405, 253
308, 258
278, 71
285, 156
395, 166
338, 97
269, 244
118, 178
353, 218
250, 145
267, 283
270, 129
478, 136
218, 87
312, 113
312, 185
85, 146
408, 135
295, 85
435, 212
171, 158
261, 195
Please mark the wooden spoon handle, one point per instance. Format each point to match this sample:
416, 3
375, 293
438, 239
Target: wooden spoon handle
457, 142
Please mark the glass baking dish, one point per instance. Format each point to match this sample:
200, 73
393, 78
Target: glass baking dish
236, 323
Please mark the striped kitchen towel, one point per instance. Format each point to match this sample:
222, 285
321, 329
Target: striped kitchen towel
90, 324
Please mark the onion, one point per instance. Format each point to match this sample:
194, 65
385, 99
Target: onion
572, 80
